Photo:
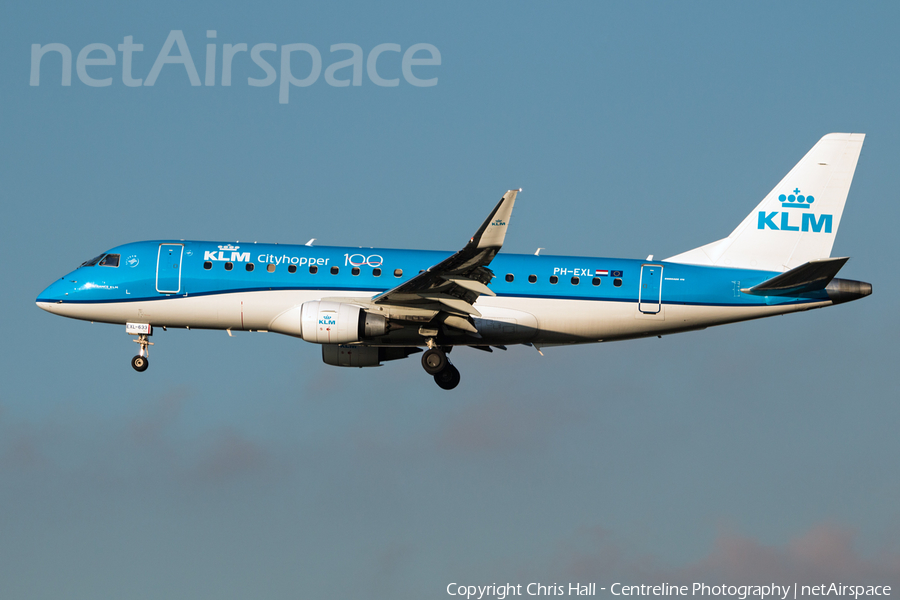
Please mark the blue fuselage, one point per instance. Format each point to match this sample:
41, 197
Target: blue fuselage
158, 270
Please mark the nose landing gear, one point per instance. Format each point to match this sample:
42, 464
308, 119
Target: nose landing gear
435, 363
141, 362
142, 331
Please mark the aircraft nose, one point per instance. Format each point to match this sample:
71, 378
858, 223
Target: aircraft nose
54, 294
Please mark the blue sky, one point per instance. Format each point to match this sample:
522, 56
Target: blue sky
244, 467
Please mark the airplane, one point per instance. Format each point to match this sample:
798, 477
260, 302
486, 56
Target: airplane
370, 306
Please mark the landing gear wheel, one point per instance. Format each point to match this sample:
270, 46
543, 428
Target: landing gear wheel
140, 362
434, 361
448, 378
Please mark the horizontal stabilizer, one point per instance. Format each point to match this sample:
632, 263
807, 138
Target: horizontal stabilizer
808, 277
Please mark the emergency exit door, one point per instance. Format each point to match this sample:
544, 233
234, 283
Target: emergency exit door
168, 268
650, 291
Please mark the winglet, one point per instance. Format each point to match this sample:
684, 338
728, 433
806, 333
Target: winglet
493, 231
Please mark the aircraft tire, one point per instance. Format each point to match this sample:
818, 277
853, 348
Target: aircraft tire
140, 363
434, 361
448, 378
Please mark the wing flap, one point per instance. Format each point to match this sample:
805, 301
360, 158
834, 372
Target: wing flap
460, 323
472, 285
454, 304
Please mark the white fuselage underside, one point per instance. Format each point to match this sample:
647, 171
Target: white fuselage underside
504, 320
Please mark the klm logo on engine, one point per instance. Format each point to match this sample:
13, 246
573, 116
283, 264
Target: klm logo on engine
787, 220
221, 256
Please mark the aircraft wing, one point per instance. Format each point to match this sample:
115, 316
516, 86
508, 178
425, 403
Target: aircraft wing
456, 282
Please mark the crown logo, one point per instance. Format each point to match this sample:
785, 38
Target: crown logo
228, 248
796, 200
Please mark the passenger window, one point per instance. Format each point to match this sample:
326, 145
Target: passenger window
510, 277
575, 281
398, 272
376, 272
554, 279
207, 265
270, 268
110, 260
335, 270
617, 282
354, 271
229, 266
532, 279
292, 268
313, 270
595, 281
250, 266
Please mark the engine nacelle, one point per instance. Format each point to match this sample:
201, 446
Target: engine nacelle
362, 356
323, 322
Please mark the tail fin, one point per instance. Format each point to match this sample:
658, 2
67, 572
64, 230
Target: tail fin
798, 220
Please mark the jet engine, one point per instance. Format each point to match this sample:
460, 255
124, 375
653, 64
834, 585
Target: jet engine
324, 322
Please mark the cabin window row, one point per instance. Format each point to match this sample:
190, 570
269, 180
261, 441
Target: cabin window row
355, 271
376, 272
617, 282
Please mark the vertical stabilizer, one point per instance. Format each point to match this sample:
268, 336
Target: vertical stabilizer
798, 220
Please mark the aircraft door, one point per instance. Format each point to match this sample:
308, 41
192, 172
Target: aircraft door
650, 289
168, 268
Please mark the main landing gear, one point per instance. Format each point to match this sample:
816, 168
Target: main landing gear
435, 363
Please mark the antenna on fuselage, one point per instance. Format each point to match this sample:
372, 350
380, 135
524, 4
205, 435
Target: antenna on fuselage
538, 251
309, 243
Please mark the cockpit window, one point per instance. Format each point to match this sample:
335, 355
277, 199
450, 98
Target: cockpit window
110, 260
93, 261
